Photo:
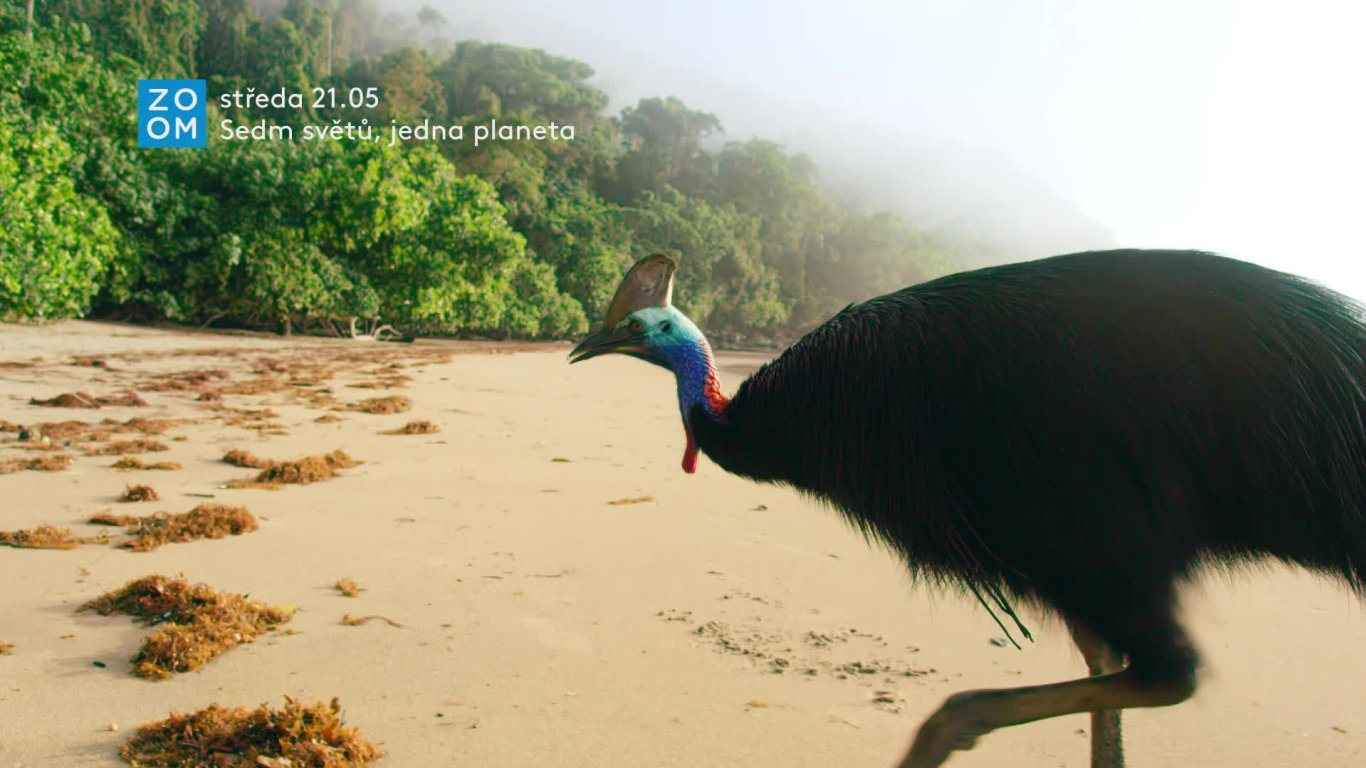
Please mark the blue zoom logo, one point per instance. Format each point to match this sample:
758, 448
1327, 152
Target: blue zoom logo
172, 113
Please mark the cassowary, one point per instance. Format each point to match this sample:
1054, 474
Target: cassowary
1080, 433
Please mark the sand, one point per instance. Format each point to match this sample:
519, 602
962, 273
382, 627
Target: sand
702, 621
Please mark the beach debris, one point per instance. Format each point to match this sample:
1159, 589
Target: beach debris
206, 521
301, 471
296, 736
140, 445
241, 458
199, 623
247, 418
132, 493
414, 428
328, 418
261, 386
348, 586
67, 400
356, 621
6, 649
383, 405
55, 463
144, 425
133, 462
65, 433
181, 381
385, 379
631, 500
109, 518
127, 398
42, 537
33, 435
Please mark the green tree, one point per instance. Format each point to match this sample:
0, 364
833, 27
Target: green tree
55, 243
161, 35
663, 140
409, 90
492, 79
721, 279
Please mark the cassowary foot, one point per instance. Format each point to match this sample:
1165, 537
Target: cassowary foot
955, 727
967, 716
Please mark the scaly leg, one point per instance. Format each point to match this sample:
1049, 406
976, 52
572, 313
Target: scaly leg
1107, 737
1163, 676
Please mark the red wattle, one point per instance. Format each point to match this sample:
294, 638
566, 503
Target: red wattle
690, 454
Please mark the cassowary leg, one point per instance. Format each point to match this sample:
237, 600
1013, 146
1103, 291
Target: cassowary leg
1161, 672
1107, 741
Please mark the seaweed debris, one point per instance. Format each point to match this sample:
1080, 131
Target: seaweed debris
133, 462
200, 623
301, 471
414, 428
109, 518
304, 736
122, 447
384, 405
139, 493
127, 398
206, 521
40, 464
42, 537
348, 586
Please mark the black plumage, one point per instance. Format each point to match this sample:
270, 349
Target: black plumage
1082, 432
1084, 428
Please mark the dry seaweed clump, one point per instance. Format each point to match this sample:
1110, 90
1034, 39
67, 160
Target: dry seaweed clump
42, 537
133, 462
240, 458
139, 493
298, 736
200, 624
348, 586
206, 521
109, 518
126, 398
414, 428
184, 380
385, 380
140, 445
356, 621
381, 405
40, 464
309, 469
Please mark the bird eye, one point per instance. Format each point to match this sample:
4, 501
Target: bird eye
637, 326
666, 326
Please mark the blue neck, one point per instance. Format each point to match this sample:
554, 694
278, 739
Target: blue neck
693, 366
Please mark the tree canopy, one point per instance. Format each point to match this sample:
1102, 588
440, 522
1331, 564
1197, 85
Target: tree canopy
521, 237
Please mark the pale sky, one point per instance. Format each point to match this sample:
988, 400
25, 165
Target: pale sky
1222, 125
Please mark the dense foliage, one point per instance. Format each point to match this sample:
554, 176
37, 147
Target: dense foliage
515, 237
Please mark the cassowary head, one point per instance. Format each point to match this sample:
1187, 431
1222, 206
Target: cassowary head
643, 323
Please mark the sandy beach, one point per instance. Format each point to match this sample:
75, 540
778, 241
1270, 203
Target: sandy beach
564, 594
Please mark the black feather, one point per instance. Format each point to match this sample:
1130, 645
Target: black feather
1082, 431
